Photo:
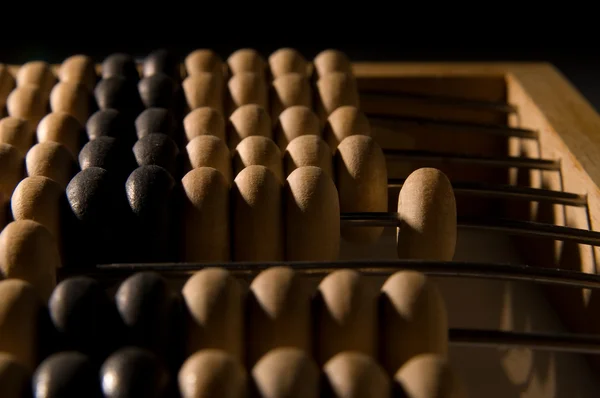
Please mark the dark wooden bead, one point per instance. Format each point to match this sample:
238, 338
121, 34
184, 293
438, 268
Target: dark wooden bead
120, 64
158, 91
111, 123
15, 377
118, 93
158, 149
134, 372
156, 120
68, 374
162, 61
110, 154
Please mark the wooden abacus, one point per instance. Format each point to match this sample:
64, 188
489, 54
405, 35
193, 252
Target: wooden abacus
269, 226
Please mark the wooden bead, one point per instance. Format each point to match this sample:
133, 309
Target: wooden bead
161, 61
53, 160
71, 98
37, 73
292, 89
158, 149
158, 91
206, 229
247, 88
214, 312
287, 60
257, 232
12, 169
361, 179
79, 69
63, 128
427, 214
118, 93
209, 151
27, 102
258, 150
212, 373
246, 121
20, 310
110, 123
246, 60
334, 90
345, 316
344, 122
120, 64
429, 376
294, 122
204, 121
203, 90
7, 84
134, 372
279, 313
331, 60
312, 216
110, 154
156, 120
308, 150
286, 372
17, 132
412, 320
203, 60
15, 378
354, 374
66, 374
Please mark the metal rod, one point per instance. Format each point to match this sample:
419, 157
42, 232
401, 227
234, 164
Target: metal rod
500, 191
454, 158
482, 128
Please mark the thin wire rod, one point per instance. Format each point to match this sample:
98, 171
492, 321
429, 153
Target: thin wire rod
500, 191
483, 128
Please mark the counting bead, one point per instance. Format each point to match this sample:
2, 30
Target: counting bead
287, 60
111, 123
248, 120
209, 151
158, 149
329, 61
361, 179
294, 122
204, 121
20, 321
155, 120
336, 89
161, 61
134, 372
158, 91
118, 93
412, 321
71, 98
110, 154
257, 219
354, 374
312, 216
246, 60
258, 150
14, 377
344, 122
206, 230
7, 84
27, 102
203, 60
17, 132
427, 213
247, 88
78, 69
428, 375
62, 128
279, 313
12, 169
37, 73
53, 160
308, 150
346, 316
203, 89
286, 372
212, 373
288, 90
214, 312
65, 375
120, 64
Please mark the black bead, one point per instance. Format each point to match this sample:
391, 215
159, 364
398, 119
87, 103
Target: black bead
111, 123
68, 374
162, 61
158, 149
118, 93
120, 64
110, 154
158, 91
155, 120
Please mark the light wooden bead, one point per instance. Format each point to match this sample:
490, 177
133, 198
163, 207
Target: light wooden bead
246, 121
344, 122
28, 251
286, 373
63, 128
257, 217
212, 373
247, 88
331, 60
294, 122
354, 374
7, 84
27, 102
428, 218
53, 160
20, 310
79, 69
214, 312
209, 151
37, 73
17, 132
246, 60
15, 378
287, 60
429, 376
204, 121
71, 98
258, 150
290, 90
312, 212
203, 60
346, 316
361, 179
334, 90
206, 227
204, 89
413, 319
12, 169
308, 150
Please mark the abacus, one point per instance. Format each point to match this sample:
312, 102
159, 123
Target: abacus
271, 225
